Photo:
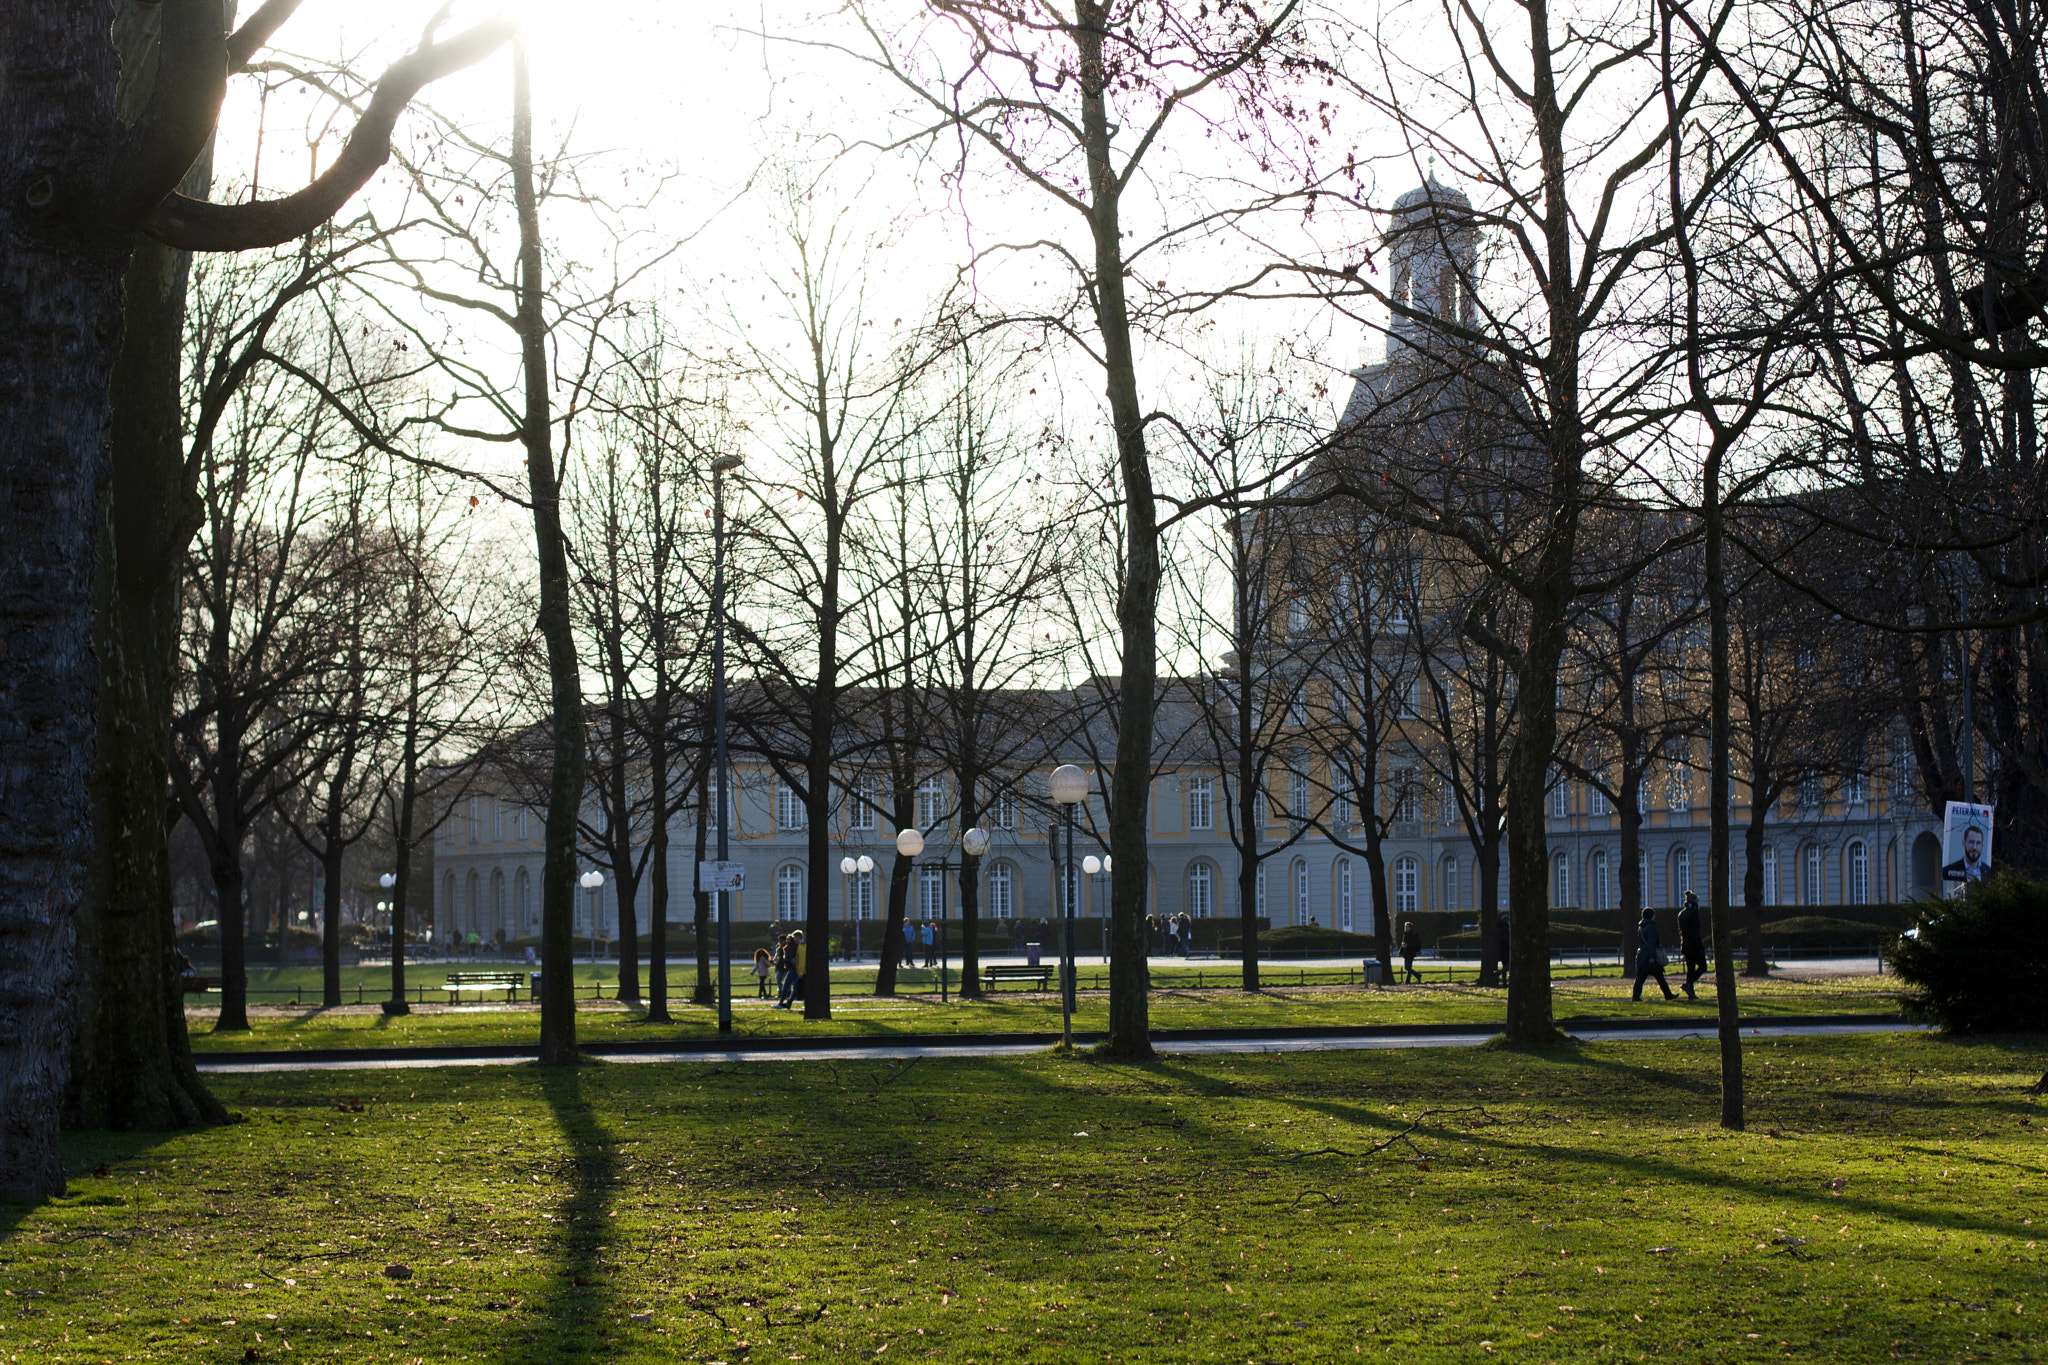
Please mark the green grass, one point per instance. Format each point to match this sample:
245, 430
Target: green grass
1421, 1206
1014, 1011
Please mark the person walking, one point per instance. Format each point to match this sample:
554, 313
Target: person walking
1650, 956
785, 971
1690, 943
1411, 944
906, 933
764, 966
930, 934
797, 959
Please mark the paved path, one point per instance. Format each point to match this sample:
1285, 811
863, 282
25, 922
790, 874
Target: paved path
225, 1064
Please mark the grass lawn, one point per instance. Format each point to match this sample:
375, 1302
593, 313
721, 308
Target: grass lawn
1423, 1206
1019, 1011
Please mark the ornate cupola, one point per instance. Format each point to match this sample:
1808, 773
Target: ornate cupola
1433, 254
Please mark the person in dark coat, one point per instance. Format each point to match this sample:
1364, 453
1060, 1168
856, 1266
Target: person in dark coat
1690, 943
1411, 944
1650, 956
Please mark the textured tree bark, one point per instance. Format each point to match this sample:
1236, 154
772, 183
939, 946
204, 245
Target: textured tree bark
131, 1057
702, 992
60, 325
565, 723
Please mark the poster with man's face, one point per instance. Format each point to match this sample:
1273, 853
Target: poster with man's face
1965, 844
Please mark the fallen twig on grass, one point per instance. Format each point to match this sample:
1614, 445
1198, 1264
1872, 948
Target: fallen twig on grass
1295, 1203
1491, 1120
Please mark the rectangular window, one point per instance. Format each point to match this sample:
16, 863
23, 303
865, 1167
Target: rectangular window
1340, 705
1297, 705
1447, 804
1406, 795
1596, 800
1005, 811
1297, 611
1560, 796
861, 803
1678, 774
497, 819
931, 802
1298, 803
931, 893
1902, 770
1201, 803
1340, 794
1411, 699
789, 809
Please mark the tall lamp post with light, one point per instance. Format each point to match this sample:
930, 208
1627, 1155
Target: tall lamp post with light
910, 843
1092, 865
720, 467
1069, 788
591, 881
848, 866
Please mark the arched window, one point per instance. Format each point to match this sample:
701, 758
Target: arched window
1448, 880
498, 923
1406, 874
1596, 878
1681, 873
473, 918
1298, 875
522, 901
789, 892
1858, 868
1002, 891
1340, 876
451, 913
1809, 881
1201, 891
1770, 875
1561, 880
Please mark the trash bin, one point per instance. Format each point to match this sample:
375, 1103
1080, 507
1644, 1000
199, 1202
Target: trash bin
533, 978
1032, 952
1372, 971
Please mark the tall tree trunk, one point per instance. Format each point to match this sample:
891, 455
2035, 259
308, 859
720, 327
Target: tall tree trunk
892, 932
131, 1057
565, 684
1137, 608
330, 922
1718, 744
60, 315
657, 857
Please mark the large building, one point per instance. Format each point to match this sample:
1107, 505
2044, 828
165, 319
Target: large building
1853, 834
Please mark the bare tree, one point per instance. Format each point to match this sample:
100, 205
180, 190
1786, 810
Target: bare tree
98, 179
1072, 103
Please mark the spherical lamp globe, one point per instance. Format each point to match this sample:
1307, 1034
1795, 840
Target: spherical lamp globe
910, 843
974, 842
1069, 785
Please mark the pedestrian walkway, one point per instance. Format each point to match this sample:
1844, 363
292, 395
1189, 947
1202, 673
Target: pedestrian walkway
395, 1059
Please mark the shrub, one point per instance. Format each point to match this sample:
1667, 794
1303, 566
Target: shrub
1561, 936
1300, 938
1818, 931
1979, 963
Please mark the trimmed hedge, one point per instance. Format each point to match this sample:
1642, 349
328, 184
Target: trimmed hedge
1299, 938
1819, 931
1561, 936
1979, 963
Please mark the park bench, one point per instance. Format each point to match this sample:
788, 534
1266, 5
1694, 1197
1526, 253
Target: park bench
991, 976
194, 985
509, 982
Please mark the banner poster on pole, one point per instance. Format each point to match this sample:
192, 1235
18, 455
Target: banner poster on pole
1965, 845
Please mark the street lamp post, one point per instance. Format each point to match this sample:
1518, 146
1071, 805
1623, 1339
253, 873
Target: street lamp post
1092, 865
1069, 788
719, 468
973, 843
590, 881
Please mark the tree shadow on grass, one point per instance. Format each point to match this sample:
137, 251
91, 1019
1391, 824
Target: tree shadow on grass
567, 1317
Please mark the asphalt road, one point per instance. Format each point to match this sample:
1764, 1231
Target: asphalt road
227, 1065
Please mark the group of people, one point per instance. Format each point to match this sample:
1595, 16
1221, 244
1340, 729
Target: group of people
786, 964
1173, 934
